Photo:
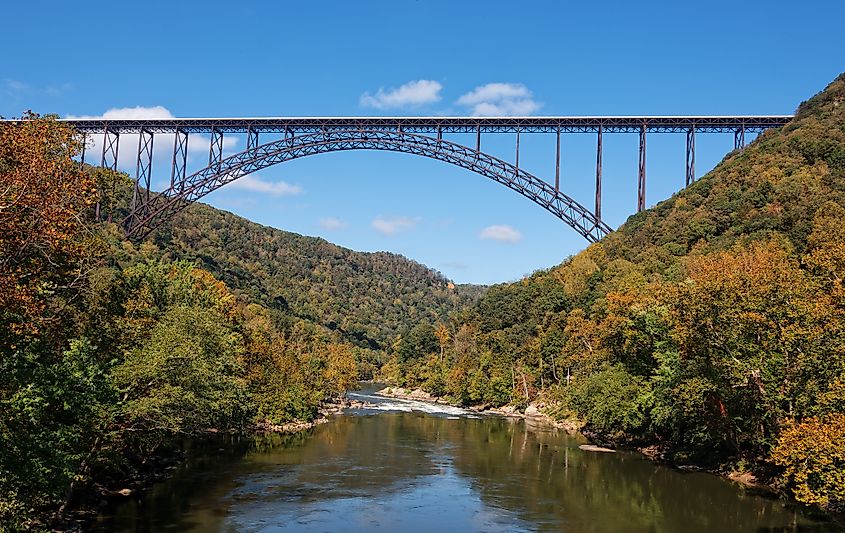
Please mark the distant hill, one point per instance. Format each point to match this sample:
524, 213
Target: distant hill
369, 298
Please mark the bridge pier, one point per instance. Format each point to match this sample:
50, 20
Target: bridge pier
111, 143
478, 138
641, 176
251, 138
215, 149
598, 174
739, 138
557, 162
180, 158
517, 150
144, 163
690, 176
82, 157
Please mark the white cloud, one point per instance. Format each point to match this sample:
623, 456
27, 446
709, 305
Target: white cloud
137, 112
500, 99
16, 86
413, 93
501, 233
274, 188
393, 225
332, 224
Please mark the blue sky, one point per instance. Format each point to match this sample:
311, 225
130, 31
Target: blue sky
426, 58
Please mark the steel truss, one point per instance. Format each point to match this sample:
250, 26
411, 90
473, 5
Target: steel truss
690, 175
163, 206
111, 142
598, 172
641, 173
739, 138
381, 133
180, 157
215, 149
143, 167
441, 125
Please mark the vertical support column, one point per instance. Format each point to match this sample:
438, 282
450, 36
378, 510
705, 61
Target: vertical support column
180, 159
84, 142
111, 142
598, 174
215, 149
251, 138
439, 134
690, 156
739, 137
641, 176
557, 162
478, 137
144, 166
517, 149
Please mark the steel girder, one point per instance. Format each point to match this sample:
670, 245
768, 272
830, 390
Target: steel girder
301, 125
165, 205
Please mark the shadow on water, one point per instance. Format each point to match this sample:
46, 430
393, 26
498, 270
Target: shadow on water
419, 472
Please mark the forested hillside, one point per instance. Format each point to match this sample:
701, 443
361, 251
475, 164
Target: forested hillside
712, 325
369, 298
112, 353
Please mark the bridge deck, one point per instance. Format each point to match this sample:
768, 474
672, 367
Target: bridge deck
297, 125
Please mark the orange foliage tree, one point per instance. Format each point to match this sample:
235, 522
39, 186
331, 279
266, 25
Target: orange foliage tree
43, 194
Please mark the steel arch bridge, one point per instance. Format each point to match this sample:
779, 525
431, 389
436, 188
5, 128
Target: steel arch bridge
422, 136
150, 212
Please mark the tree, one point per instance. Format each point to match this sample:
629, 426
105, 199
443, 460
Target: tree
43, 194
442, 334
813, 457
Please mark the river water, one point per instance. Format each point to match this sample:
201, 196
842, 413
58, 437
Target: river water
410, 466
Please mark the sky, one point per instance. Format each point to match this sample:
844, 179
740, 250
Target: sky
420, 58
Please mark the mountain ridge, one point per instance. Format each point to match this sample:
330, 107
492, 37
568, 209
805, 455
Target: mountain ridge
369, 297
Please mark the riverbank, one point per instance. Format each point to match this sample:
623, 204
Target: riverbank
326, 412
160, 467
537, 412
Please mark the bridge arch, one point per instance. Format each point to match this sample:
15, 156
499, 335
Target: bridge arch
158, 208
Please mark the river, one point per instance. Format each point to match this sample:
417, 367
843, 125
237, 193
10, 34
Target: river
410, 466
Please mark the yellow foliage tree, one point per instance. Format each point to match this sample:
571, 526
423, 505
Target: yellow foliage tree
813, 456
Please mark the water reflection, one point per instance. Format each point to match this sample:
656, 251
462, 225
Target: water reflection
418, 472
